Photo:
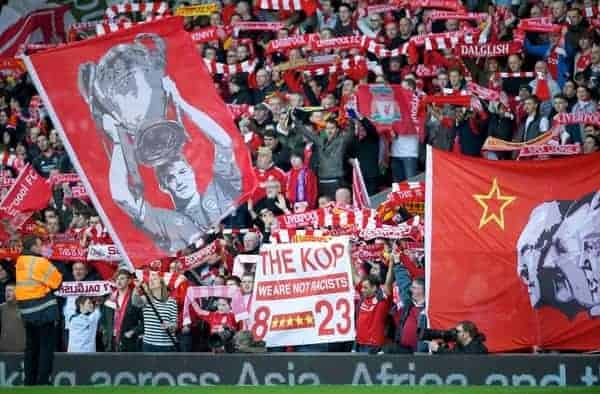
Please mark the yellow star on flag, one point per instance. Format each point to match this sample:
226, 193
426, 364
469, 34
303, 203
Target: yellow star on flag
299, 321
290, 321
494, 197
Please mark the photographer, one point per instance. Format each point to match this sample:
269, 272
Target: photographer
467, 338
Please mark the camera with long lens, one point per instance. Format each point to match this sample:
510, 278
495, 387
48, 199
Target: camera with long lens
222, 340
427, 334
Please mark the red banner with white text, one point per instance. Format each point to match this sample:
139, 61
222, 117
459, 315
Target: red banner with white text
160, 158
515, 248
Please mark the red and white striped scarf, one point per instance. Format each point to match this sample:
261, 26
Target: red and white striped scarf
483, 93
308, 6
360, 197
212, 33
591, 12
230, 69
584, 118
228, 231
522, 74
232, 292
329, 218
411, 229
469, 16
199, 257
345, 65
284, 44
539, 25
342, 43
452, 5
111, 27
150, 8
292, 235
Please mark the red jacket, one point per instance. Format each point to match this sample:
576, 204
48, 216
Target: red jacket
309, 186
272, 173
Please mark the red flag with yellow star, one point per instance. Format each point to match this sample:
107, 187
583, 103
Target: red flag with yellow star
515, 248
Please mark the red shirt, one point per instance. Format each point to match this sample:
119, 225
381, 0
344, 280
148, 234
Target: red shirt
272, 173
409, 337
372, 312
216, 321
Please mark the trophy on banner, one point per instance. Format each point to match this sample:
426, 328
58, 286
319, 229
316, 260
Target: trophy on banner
135, 72
129, 95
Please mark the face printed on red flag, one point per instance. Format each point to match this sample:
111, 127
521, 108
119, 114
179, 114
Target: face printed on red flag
515, 248
155, 148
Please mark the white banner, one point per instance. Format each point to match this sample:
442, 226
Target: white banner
104, 252
244, 263
303, 293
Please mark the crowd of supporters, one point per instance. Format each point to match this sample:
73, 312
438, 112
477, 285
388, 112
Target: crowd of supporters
303, 131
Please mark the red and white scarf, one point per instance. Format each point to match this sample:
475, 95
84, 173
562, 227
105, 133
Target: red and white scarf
212, 33
232, 292
284, 44
230, 69
592, 118
120, 309
198, 258
150, 8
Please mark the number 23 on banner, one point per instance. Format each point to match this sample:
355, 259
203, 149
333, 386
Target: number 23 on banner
330, 319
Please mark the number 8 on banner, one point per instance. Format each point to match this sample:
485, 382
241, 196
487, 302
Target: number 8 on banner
261, 323
324, 312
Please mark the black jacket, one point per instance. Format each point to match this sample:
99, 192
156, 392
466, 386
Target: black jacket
132, 320
500, 127
476, 346
366, 150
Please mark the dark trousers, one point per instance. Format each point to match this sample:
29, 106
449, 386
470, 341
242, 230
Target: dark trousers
403, 168
149, 348
370, 349
40, 341
327, 187
371, 185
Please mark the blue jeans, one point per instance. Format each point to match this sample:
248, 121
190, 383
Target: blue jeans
403, 168
148, 348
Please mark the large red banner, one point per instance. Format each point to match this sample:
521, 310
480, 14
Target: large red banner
148, 135
515, 248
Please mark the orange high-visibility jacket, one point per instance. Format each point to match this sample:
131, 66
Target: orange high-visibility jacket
36, 277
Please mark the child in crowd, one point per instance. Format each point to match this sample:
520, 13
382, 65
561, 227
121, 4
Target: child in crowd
83, 326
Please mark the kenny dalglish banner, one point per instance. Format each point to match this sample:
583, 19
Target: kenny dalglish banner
147, 134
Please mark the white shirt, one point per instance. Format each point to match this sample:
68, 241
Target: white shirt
544, 126
405, 146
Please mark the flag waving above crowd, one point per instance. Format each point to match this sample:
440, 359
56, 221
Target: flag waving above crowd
142, 137
516, 248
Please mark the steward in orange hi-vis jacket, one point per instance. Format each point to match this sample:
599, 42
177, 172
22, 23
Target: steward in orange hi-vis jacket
36, 279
